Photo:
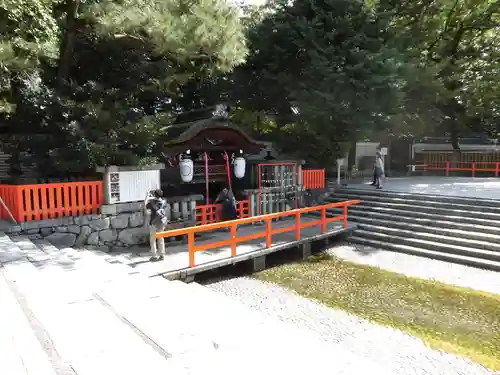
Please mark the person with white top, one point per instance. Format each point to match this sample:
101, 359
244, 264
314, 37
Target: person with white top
379, 169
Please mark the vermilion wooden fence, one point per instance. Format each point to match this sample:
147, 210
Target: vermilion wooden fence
267, 233
51, 201
473, 167
211, 213
313, 178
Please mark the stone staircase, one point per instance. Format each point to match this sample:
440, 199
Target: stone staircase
75, 312
461, 230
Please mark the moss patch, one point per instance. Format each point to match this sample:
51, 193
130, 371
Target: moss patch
453, 319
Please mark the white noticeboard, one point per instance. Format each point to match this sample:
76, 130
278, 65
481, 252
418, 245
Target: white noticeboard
132, 186
383, 151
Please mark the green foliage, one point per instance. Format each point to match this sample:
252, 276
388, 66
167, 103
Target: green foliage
327, 62
357, 69
117, 74
455, 44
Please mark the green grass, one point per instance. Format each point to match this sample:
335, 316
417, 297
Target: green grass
453, 319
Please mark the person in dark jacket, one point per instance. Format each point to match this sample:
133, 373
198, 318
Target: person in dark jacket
226, 198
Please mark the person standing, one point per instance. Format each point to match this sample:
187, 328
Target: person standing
374, 182
156, 209
226, 198
379, 170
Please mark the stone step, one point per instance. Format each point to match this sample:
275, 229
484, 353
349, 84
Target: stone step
448, 257
22, 353
430, 245
88, 337
404, 214
424, 197
216, 334
449, 239
431, 209
445, 228
397, 220
431, 203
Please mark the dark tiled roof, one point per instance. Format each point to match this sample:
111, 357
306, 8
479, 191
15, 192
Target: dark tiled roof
179, 133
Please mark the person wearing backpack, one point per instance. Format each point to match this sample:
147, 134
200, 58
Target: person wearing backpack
156, 209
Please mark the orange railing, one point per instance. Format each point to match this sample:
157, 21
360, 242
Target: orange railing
211, 213
472, 167
234, 239
51, 201
313, 178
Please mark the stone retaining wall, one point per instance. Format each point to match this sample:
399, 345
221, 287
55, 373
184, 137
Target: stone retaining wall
118, 225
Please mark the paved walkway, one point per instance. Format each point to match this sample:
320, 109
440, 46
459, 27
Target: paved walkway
83, 316
484, 188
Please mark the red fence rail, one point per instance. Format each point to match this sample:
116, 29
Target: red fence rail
51, 201
313, 178
212, 213
472, 167
268, 233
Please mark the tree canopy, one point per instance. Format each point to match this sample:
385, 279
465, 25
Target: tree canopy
116, 73
99, 81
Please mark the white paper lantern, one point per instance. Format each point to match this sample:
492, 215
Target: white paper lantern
186, 167
239, 164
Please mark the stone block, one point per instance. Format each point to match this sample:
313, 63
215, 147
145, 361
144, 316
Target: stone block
93, 239
259, 263
49, 223
82, 238
74, 229
130, 207
133, 236
305, 250
33, 231
136, 219
83, 220
120, 221
62, 239
46, 231
109, 209
108, 235
100, 224
12, 229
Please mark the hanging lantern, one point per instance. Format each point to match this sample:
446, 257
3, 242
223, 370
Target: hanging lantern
239, 164
186, 167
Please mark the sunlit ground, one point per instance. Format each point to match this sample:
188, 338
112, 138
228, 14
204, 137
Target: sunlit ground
456, 320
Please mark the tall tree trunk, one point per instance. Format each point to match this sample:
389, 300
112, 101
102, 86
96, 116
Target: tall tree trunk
68, 42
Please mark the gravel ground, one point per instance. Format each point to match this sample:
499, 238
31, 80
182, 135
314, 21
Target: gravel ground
424, 268
398, 352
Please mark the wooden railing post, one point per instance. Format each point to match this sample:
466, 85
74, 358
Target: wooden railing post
297, 226
345, 215
233, 239
191, 249
473, 169
269, 234
447, 168
323, 220
19, 209
497, 164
